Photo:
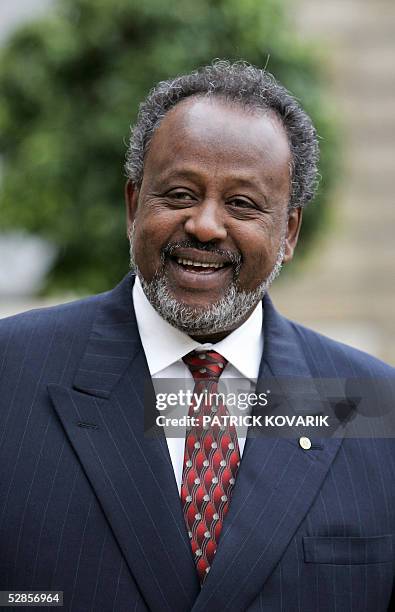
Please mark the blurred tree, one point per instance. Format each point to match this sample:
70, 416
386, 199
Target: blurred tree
70, 85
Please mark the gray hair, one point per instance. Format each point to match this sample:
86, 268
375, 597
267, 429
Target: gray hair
239, 83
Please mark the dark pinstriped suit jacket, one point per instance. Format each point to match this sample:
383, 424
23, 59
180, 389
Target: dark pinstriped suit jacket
89, 506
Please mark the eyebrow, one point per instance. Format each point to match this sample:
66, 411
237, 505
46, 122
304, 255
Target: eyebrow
192, 175
180, 174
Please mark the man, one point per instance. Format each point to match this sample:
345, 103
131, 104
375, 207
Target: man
221, 163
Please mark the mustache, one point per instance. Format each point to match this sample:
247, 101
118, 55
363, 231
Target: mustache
167, 251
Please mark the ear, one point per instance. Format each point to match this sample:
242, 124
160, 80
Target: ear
131, 202
293, 228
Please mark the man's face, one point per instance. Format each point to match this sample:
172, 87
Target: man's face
211, 214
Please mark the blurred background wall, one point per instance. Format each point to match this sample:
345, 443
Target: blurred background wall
347, 288
344, 285
12, 14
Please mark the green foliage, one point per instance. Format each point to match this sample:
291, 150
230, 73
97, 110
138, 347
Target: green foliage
70, 85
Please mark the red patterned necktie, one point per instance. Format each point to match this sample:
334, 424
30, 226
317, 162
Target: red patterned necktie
211, 461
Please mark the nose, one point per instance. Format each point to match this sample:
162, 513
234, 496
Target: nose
205, 222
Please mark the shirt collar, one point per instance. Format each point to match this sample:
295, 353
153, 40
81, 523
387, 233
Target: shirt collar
163, 344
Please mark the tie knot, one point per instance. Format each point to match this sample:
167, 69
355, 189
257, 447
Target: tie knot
205, 364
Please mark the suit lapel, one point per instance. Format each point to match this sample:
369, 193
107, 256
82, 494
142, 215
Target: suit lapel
275, 487
132, 475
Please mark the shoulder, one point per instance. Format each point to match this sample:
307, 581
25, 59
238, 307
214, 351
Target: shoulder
30, 336
46, 344
62, 315
341, 359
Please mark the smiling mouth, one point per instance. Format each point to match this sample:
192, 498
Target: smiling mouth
196, 269
199, 267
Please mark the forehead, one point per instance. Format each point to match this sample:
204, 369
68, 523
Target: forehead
217, 134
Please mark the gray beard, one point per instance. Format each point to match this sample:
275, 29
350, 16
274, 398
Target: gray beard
225, 314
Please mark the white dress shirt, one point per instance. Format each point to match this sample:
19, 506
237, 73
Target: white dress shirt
164, 347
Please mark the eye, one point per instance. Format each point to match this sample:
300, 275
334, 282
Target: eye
181, 195
239, 202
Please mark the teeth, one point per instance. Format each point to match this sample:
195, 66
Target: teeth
199, 264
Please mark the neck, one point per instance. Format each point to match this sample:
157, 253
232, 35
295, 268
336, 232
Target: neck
212, 338
220, 335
